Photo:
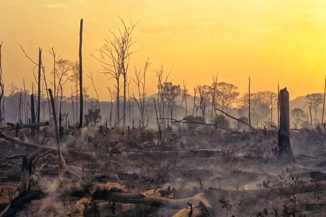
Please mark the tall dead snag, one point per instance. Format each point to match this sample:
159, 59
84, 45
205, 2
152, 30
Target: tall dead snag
194, 102
184, 98
32, 114
249, 103
81, 74
114, 58
285, 150
323, 114
278, 105
62, 162
125, 43
140, 81
1, 83
157, 120
39, 86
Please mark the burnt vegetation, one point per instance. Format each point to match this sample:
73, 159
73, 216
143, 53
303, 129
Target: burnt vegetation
214, 152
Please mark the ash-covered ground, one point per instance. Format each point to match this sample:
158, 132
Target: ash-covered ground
186, 171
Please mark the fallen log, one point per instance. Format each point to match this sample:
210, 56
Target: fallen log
183, 121
237, 119
23, 194
20, 202
13, 126
26, 144
267, 193
87, 155
138, 198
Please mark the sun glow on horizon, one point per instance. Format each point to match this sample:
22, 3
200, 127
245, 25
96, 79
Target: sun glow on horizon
270, 41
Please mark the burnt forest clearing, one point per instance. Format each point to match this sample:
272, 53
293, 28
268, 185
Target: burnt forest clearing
209, 151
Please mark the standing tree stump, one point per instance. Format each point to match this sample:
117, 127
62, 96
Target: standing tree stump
285, 150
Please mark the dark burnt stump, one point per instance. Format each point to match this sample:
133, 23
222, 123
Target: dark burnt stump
285, 150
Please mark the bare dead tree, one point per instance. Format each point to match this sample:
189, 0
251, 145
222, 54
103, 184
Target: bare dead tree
25, 103
74, 79
184, 97
140, 81
194, 103
110, 66
61, 161
129, 103
72, 105
125, 43
323, 112
214, 87
81, 114
65, 71
278, 104
54, 73
204, 95
20, 106
95, 90
37, 78
35, 66
112, 96
46, 87
249, 103
157, 120
39, 86
32, 114
161, 103
1, 84
114, 58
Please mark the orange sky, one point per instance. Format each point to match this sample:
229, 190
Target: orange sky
270, 41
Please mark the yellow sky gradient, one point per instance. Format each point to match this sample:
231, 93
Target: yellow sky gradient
270, 40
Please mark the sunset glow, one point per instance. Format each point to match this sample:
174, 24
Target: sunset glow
269, 41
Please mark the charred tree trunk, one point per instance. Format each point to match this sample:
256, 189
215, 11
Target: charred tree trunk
61, 160
278, 105
118, 102
124, 98
81, 114
26, 173
32, 114
23, 196
39, 86
54, 114
60, 125
194, 105
20, 109
1, 85
249, 102
285, 150
73, 108
186, 107
157, 120
129, 111
323, 114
